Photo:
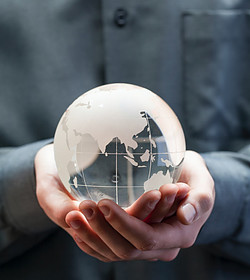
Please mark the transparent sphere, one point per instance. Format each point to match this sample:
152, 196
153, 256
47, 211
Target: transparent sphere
118, 141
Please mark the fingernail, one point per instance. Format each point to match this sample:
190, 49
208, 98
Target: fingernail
189, 212
183, 185
105, 210
88, 212
75, 224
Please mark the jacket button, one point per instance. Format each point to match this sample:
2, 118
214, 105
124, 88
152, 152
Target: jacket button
121, 17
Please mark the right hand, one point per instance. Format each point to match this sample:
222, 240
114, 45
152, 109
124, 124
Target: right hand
112, 234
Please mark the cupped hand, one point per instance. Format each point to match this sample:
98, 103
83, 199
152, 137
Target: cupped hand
156, 227
107, 236
57, 203
51, 194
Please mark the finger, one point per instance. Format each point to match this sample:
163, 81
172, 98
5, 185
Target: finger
51, 194
168, 194
170, 234
198, 205
162, 254
167, 255
137, 232
199, 202
112, 238
144, 204
55, 201
153, 255
85, 248
180, 196
91, 242
171, 195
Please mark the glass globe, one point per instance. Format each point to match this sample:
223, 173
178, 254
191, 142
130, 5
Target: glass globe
118, 141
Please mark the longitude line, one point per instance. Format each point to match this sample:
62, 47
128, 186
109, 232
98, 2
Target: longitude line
116, 174
83, 176
151, 150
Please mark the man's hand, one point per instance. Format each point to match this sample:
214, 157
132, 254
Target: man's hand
58, 204
156, 226
155, 233
51, 194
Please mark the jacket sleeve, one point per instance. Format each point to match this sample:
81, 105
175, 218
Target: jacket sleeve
21, 217
227, 230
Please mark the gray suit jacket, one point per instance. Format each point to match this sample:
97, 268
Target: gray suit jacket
194, 54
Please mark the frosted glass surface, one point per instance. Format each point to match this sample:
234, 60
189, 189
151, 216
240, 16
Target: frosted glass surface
118, 141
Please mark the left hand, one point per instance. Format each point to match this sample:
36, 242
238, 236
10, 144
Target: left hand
111, 233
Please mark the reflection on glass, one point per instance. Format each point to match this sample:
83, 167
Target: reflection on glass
118, 141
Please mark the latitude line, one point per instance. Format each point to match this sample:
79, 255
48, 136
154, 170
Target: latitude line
106, 153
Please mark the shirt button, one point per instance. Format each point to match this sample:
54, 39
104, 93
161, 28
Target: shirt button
121, 17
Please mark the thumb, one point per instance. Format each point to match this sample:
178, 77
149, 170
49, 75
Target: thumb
198, 205
53, 198
199, 202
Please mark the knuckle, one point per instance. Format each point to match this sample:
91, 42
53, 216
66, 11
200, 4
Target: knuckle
189, 242
148, 245
147, 208
57, 215
174, 255
114, 259
129, 254
211, 180
59, 218
100, 258
206, 202
170, 256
